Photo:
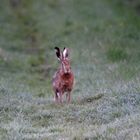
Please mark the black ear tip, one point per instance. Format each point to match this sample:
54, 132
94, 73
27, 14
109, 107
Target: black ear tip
56, 48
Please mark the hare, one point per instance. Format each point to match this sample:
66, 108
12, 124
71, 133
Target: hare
63, 79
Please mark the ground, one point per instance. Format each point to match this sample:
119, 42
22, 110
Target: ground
103, 37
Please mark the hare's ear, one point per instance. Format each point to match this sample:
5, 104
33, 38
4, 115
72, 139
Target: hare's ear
65, 53
58, 53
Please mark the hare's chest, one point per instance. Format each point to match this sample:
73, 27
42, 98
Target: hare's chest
67, 84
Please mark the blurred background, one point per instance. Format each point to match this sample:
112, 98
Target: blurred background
103, 37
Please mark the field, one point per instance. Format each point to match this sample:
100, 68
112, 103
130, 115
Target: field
103, 37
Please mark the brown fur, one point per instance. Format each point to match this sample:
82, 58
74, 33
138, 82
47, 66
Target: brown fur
63, 79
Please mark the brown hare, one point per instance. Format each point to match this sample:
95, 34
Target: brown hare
63, 79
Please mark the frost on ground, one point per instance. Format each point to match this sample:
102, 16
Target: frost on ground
100, 116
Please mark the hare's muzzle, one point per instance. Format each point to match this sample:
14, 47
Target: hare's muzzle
66, 71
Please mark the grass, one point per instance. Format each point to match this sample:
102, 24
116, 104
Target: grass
116, 54
103, 37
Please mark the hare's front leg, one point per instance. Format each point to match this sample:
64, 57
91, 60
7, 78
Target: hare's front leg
58, 97
68, 97
61, 97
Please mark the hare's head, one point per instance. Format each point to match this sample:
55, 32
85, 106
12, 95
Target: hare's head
63, 57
